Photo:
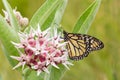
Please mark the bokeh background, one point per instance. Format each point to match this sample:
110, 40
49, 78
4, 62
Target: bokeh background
99, 65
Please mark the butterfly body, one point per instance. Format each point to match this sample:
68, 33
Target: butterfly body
80, 45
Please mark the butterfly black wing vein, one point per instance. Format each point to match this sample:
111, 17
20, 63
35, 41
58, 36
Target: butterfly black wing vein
80, 45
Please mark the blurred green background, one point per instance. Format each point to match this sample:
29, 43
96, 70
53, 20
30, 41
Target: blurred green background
99, 65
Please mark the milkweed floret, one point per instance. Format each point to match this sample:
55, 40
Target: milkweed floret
40, 50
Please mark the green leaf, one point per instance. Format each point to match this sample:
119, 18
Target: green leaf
56, 16
49, 20
44, 13
86, 19
33, 76
7, 34
13, 19
56, 74
60, 12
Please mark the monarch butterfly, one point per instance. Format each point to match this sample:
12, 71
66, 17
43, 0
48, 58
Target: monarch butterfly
80, 45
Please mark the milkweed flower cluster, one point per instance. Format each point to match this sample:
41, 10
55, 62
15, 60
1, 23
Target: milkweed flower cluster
40, 50
23, 21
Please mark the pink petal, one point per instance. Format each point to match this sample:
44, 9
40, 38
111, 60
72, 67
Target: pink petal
18, 65
16, 58
38, 72
46, 70
53, 64
66, 66
32, 42
17, 45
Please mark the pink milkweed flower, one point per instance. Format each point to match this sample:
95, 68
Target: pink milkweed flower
40, 50
23, 21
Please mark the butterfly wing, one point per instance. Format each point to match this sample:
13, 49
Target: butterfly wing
80, 45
